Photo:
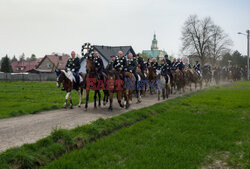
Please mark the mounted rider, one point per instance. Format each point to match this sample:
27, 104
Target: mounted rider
132, 65
173, 65
153, 63
99, 66
110, 66
168, 66
179, 64
163, 69
73, 65
140, 62
120, 63
197, 68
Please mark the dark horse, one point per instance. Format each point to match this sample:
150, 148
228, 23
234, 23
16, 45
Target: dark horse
93, 76
66, 78
115, 84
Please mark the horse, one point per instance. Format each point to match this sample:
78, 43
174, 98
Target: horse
151, 79
115, 84
207, 76
66, 78
92, 77
162, 85
180, 81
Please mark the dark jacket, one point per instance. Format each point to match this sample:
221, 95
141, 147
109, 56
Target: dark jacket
197, 66
179, 65
168, 63
120, 63
110, 66
98, 64
131, 65
73, 64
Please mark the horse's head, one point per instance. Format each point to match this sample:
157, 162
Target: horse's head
59, 77
90, 65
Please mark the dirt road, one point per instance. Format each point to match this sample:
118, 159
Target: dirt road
30, 128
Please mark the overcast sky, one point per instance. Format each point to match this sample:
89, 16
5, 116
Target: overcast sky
45, 26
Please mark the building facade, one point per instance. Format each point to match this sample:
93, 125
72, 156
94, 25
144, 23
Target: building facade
155, 52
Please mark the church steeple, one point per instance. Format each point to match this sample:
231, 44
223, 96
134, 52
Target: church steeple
154, 43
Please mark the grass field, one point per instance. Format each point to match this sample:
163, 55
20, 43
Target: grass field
203, 130
19, 98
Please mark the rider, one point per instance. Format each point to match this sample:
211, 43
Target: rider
120, 63
168, 66
73, 64
132, 65
197, 67
173, 65
110, 66
163, 68
153, 63
180, 65
98, 64
141, 63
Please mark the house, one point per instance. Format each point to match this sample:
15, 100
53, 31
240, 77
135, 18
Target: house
23, 66
50, 63
155, 52
105, 52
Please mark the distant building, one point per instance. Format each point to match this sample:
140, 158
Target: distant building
155, 52
105, 52
50, 63
23, 66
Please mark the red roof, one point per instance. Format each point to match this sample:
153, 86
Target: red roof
58, 61
23, 66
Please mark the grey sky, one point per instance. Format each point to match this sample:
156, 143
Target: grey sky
45, 26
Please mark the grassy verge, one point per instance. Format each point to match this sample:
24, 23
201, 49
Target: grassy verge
180, 133
19, 98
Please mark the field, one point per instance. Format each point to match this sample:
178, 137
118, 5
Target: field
207, 129
19, 98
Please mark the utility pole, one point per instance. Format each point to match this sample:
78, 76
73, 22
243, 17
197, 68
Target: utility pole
248, 71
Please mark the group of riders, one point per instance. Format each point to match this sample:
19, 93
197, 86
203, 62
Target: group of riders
174, 75
131, 63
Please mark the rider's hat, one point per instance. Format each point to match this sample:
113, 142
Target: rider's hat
112, 56
166, 55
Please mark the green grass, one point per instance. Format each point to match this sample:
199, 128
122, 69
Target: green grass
19, 98
181, 135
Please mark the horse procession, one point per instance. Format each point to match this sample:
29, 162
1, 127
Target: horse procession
126, 75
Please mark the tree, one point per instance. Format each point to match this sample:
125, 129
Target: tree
5, 65
22, 58
219, 44
203, 39
14, 59
144, 56
32, 58
236, 59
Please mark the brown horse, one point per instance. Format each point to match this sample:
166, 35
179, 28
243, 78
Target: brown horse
115, 85
92, 74
180, 81
152, 79
69, 84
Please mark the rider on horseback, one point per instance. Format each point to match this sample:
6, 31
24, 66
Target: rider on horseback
168, 66
163, 68
120, 63
98, 65
110, 66
73, 64
197, 68
180, 65
132, 65
153, 63
141, 63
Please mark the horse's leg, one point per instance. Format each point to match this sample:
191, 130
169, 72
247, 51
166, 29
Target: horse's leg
71, 103
95, 98
111, 100
104, 97
87, 99
80, 97
66, 98
99, 96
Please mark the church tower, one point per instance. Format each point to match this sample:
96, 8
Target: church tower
154, 44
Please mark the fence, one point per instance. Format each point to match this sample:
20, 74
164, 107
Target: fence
28, 76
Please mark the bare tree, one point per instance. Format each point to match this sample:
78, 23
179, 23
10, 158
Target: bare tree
203, 39
219, 44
